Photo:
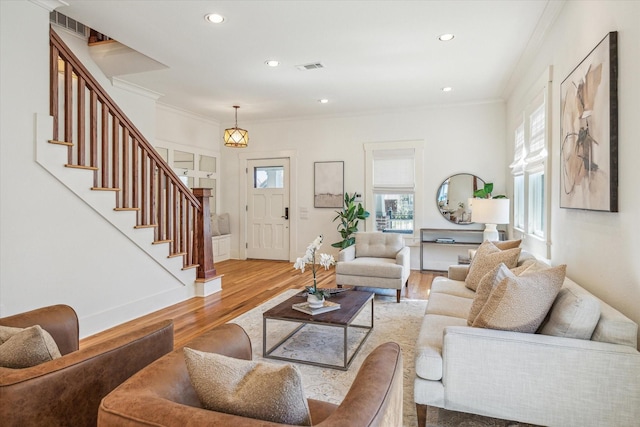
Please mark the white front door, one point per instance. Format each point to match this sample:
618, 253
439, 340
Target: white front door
268, 209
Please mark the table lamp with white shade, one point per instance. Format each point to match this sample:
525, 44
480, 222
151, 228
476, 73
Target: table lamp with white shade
491, 212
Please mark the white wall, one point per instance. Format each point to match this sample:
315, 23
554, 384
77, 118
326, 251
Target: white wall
53, 247
600, 249
464, 138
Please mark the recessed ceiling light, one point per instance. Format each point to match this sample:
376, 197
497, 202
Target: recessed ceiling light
214, 18
272, 62
445, 37
447, 89
323, 101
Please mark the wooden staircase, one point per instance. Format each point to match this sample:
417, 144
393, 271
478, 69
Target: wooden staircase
100, 138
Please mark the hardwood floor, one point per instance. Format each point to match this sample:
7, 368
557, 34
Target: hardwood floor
245, 285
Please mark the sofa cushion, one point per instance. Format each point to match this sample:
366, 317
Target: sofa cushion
428, 351
22, 348
444, 285
378, 245
521, 303
371, 267
449, 305
574, 314
257, 390
615, 328
486, 285
486, 259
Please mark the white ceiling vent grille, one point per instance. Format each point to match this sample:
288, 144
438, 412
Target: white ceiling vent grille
312, 66
72, 25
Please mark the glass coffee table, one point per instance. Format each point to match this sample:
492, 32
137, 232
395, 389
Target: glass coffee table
351, 304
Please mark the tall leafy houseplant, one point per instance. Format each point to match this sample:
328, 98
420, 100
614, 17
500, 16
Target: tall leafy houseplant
349, 217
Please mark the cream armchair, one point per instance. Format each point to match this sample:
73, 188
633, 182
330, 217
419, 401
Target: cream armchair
377, 260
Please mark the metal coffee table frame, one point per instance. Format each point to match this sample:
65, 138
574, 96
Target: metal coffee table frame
318, 319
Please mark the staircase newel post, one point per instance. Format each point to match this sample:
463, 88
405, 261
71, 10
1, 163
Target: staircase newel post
202, 234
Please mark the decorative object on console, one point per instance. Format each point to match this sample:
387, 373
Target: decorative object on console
325, 261
589, 130
236, 137
491, 212
328, 184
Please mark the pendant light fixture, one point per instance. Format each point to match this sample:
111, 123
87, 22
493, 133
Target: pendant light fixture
236, 137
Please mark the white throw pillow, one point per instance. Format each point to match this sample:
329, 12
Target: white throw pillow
573, 315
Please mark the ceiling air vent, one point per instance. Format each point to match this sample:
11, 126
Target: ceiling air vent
72, 25
312, 66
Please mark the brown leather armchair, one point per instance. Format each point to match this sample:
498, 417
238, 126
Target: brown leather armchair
162, 395
67, 391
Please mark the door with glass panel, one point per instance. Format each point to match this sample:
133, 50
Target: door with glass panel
268, 209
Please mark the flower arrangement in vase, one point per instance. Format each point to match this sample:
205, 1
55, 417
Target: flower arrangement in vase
315, 296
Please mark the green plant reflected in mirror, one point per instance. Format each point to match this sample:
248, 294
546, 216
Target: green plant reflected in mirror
452, 198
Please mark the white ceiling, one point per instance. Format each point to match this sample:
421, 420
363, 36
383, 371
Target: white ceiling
378, 55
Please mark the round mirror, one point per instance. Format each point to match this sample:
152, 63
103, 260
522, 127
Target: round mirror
453, 197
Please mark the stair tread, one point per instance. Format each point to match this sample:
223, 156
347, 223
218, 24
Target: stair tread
105, 189
53, 141
190, 266
126, 209
91, 168
177, 254
146, 226
157, 242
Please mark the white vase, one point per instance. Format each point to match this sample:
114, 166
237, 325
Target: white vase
314, 302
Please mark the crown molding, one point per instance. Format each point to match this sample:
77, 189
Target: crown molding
139, 90
50, 5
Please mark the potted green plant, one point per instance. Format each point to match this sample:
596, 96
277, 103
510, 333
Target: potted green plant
485, 193
349, 217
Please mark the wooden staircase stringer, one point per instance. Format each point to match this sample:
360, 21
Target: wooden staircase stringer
53, 157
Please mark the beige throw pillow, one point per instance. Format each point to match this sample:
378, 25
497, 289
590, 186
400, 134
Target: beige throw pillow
257, 390
486, 285
521, 303
507, 244
215, 230
22, 348
487, 258
224, 224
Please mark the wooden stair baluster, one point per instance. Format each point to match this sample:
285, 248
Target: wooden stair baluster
100, 138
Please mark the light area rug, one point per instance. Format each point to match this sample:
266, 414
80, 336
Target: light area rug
397, 322
392, 322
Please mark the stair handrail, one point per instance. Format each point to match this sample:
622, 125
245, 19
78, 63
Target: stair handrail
189, 242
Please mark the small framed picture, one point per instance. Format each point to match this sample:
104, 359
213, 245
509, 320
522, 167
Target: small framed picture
328, 189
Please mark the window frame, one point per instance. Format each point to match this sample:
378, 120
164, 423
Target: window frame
417, 190
531, 165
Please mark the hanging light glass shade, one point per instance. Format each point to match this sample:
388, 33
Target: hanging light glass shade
236, 137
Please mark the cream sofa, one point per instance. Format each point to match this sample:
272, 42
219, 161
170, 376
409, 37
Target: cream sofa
531, 378
377, 260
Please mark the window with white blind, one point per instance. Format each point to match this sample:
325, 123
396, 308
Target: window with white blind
394, 189
394, 186
529, 168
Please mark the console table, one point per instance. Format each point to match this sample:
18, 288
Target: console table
451, 238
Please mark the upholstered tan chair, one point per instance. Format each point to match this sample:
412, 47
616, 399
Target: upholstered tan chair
377, 260
67, 391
